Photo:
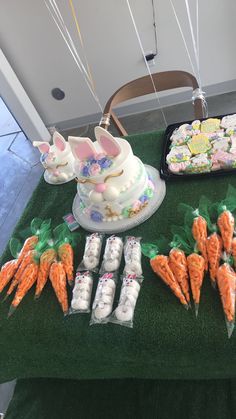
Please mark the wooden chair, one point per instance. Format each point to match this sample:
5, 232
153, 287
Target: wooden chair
143, 86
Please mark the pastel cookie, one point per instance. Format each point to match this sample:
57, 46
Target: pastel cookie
210, 125
228, 121
199, 144
221, 144
223, 159
179, 167
196, 125
233, 144
178, 154
199, 164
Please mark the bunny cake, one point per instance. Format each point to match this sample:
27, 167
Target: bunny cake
113, 184
57, 159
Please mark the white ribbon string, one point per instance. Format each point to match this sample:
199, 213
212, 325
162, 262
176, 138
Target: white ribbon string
59, 21
198, 93
143, 53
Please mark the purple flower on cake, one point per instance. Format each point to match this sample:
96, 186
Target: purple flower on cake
143, 198
85, 171
96, 216
105, 163
94, 169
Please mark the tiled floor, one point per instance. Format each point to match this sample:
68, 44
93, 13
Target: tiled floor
21, 170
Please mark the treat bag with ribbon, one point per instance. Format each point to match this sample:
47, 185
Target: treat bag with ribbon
65, 240
161, 266
226, 281
31, 237
27, 274
183, 240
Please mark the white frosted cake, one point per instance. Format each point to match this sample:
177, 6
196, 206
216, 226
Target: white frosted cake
113, 184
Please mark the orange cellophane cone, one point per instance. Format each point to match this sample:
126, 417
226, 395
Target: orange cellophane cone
7, 272
199, 231
28, 279
66, 255
226, 224
160, 266
46, 260
179, 267
57, 277
226, 281
196, 268
214, 249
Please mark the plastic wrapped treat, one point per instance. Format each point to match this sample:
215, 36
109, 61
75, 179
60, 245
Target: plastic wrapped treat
82, 292
104, 297
112, 254
92, 252
124, 312
133, 254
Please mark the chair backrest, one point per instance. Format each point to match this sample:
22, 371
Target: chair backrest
143, 86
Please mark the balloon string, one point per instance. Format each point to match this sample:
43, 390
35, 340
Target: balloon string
143, 53
59, 21
183, 37
194, 43
81, 41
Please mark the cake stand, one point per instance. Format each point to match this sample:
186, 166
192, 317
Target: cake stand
126, 223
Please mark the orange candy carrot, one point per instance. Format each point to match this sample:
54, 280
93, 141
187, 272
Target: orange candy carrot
66, 254
28, 259
57, 277
179, 267
214, 249
196, 267
28, 245
46, 259
160, 266
199, 231
226, 280
29, 277
7, 272
226, 223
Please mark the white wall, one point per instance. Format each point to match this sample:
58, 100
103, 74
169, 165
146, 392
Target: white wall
41, 60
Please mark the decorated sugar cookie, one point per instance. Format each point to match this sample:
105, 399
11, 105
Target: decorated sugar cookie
228, 121
210, 125
179, 167
178, 154
199, 164
221, 144
199, 144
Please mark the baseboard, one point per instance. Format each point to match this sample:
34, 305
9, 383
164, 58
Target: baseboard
149, 105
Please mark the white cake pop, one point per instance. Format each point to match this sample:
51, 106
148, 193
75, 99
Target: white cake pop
107, 299
111, 265
90, 262
107, 290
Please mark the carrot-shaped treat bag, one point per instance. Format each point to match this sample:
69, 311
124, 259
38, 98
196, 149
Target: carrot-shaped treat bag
160, 265
65, 239
37, 228
195, 262
179, 267
226, 281
196, 220
225, 220
214, 251
48, 256
57, 277
7, 272
29, 258
233, 251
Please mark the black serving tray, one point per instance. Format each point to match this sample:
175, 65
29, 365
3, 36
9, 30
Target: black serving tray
164, 170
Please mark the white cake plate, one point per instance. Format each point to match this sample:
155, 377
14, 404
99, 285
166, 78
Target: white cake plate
126, 223
45, 175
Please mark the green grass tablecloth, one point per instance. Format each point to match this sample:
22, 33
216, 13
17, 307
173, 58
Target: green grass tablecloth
167, 342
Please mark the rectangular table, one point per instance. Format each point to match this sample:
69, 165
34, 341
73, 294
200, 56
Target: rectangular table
167, 342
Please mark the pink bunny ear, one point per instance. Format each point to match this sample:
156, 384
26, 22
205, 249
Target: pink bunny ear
59, 141
82, 148
108, 143
42, 146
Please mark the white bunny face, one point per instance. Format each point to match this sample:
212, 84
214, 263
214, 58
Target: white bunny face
92, 163
57, 159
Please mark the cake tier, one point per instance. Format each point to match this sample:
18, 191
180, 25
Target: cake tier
134, 187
